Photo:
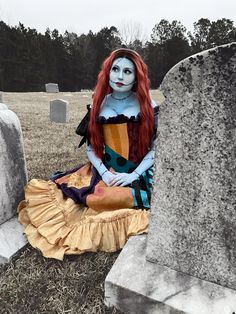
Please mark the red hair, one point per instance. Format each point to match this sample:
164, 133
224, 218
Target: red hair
141, 87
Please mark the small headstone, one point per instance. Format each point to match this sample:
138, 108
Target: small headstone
59, 111
13, 178
52, 88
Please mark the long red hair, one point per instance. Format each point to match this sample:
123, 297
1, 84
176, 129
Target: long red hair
141, 87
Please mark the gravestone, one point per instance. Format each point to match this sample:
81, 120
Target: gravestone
187, 263
1, 98
52, 88
59, 111
13, 178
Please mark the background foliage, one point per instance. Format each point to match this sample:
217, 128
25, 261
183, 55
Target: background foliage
29, 59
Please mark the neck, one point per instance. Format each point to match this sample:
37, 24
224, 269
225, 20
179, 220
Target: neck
121, 95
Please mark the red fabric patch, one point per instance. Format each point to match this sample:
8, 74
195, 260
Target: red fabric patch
133, 133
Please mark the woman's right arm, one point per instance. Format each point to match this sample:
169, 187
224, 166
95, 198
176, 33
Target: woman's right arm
106, 175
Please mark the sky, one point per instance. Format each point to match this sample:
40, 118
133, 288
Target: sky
81, 16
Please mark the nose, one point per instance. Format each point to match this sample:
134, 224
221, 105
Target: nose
120, 76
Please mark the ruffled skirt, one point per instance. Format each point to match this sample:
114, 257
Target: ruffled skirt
57, 225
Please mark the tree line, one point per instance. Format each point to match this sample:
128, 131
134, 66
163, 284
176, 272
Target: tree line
29, 59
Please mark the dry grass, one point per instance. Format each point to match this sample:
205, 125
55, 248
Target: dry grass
32, 283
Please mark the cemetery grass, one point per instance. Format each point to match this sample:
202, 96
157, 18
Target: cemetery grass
32, 283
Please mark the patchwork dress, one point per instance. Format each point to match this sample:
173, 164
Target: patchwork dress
76, 212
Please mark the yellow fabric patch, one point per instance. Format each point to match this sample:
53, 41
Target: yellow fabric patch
78, 181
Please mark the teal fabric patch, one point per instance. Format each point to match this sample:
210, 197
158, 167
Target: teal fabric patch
141, 188
117, 162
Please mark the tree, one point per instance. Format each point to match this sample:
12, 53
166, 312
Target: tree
222, 32
165, 30
200, 38
95, 48
209, 34
131, 33
168, 46
74, 78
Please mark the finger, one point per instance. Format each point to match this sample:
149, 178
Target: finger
115, 179
115, 183
118, 183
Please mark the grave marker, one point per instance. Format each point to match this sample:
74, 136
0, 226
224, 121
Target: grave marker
13, 178
187, 263
52, 88
59, 111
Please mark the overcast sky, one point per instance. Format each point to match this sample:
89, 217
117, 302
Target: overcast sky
81, 16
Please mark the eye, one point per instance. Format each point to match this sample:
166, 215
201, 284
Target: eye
127, 71
115, 68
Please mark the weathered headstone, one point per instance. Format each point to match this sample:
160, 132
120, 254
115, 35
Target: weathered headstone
188, 264
13, 178
52, 88
195, 189
59, 111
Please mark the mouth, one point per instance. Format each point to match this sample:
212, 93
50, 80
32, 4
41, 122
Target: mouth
119, 84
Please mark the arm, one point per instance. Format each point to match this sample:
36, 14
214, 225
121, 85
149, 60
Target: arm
147, 161
99, 165
123, 179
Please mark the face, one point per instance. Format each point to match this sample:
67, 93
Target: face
122, 75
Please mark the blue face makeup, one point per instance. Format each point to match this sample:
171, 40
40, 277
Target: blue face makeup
122, 75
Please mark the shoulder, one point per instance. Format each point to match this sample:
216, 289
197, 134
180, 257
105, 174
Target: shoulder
106, 107
107, 101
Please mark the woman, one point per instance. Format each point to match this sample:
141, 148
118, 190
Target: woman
97, 206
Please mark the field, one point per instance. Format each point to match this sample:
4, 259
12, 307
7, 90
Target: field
32, 283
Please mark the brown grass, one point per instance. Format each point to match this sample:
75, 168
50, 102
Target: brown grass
32, 283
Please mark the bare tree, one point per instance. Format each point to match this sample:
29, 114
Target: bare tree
130, 32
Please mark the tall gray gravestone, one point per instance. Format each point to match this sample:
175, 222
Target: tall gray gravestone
13, 178
51, 88
59, 111
187, 263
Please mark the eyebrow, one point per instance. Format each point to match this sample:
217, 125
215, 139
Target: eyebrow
127, 68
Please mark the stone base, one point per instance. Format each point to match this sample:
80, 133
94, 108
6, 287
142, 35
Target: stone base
12, 239
135, 286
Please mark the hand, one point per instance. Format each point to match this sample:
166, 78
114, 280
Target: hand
107, 177
123, 179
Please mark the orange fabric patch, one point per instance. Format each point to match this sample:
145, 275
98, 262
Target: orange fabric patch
116, 137
110, 197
